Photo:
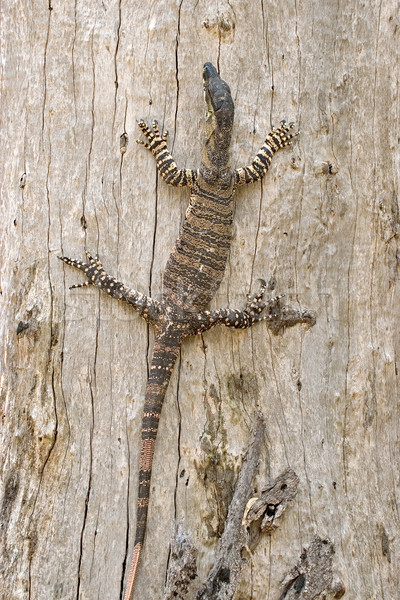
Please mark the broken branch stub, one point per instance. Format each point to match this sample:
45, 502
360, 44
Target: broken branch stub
262, 514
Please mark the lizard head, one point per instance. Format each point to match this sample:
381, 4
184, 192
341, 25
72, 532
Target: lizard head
220, 107
219, 120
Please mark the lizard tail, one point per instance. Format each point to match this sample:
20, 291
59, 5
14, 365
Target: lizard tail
165, 353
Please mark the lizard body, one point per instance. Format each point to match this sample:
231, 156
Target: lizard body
194, 269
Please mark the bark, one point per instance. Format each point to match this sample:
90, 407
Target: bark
225, 575
323, 228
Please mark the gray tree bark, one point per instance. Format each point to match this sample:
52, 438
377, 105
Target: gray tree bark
323, 227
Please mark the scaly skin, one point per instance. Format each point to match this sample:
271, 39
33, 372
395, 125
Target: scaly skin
195, 267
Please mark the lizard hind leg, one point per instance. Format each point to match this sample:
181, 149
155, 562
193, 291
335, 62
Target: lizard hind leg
240, 318
147, 307
257, 309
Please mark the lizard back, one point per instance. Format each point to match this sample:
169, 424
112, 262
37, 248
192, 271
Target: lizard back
197, 263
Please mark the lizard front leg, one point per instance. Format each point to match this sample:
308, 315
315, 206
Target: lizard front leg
276, 139
147, 308
166, 165
277, 316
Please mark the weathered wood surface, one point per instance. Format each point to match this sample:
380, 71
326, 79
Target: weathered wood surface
324, 226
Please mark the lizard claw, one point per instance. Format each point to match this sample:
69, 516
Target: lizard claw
152, 135
256, 303
284, 135
80, 285
91, 268
93, 259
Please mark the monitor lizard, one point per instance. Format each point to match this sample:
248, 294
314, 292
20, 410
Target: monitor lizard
195, 267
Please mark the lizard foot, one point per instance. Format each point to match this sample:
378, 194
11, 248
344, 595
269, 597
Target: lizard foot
153, 135
241, 319
93, 269
282, 136
256, 304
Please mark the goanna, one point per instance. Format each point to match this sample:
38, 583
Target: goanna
195, 267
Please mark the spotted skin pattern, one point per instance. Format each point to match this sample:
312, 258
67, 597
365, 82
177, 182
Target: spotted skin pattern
194, 269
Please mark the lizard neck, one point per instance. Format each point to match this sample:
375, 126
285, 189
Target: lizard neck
218, 126
215, 157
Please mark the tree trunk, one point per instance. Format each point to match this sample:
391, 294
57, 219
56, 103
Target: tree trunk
322, 227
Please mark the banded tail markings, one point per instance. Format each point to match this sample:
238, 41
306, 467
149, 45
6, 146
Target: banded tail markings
165, 353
